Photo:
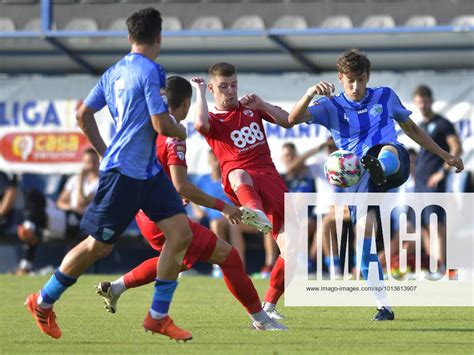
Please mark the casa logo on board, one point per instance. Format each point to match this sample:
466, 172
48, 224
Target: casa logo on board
64, 147
376, 110
248, 113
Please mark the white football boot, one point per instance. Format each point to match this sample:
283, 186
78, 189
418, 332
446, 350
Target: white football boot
257, 219
271, 324
104, 290
270, 309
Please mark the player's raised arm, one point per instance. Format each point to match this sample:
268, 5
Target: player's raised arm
300, 112
254, 102
201, 113
86, 122
412, 130
166, 125
186, 189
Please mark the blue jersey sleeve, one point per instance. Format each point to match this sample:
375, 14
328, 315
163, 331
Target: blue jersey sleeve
400, 113
319, 112
96, 98
155, 103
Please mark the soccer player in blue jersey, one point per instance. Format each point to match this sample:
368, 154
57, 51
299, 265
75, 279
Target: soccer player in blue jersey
130, 178
362, 120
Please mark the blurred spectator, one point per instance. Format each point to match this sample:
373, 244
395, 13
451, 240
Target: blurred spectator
430, 170
232, 233
62, 218
8, 199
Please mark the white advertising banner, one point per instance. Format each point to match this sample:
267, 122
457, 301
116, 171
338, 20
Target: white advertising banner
38, 132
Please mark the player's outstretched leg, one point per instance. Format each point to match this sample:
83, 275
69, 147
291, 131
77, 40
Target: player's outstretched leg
240, 285
275, 289
252, 207
143, 274
178, 238
384, 311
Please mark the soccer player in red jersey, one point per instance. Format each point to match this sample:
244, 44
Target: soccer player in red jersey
205, 245
235, 132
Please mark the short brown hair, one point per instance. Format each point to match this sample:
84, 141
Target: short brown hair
353, 61
423, 91
222, 69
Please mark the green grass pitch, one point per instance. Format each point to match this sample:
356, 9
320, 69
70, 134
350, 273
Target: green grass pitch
220, 325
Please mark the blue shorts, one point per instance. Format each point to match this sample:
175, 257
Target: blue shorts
118, 199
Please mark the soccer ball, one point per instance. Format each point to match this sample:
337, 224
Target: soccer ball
342, 168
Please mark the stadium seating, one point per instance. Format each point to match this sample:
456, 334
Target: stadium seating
341, 21
465, 20
249, 22
213, 23
7, 25
421, 21
171, 23
291, 22
248, 14
378, 21
82, 24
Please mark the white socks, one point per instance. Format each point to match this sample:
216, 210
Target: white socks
118, 287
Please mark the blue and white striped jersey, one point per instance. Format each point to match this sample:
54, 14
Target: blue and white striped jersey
358, 126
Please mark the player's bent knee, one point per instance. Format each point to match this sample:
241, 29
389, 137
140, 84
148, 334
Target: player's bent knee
221, 252
98, 248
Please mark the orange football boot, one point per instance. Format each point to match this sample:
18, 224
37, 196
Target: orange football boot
45, 318
166, 327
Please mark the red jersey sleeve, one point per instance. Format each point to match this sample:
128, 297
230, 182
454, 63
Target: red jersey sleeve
176, 152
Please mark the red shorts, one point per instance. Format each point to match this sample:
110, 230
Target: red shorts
201, 248
271, 188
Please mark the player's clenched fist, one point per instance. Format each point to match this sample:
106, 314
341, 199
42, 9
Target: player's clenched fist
252, 101
323, 88
198, 82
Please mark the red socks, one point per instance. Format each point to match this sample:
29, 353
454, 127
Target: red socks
143, 274
248, 197
277, 282
239, 283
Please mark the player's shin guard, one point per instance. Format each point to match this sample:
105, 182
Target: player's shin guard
277, 282
143, 274
239, 284
54, 288
248, 197
373, 280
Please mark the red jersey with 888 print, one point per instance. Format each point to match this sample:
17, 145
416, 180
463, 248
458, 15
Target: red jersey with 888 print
238, 139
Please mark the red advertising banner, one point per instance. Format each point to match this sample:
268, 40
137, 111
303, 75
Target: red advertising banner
63, 147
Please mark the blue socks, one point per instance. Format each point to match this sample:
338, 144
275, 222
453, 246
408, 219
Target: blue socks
162, 297
389, 161
336, 259
54, 288
367, 258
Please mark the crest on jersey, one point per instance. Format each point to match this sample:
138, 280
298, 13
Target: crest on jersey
376, 110
181, 155
248, 113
